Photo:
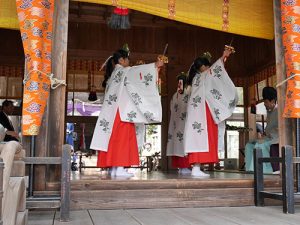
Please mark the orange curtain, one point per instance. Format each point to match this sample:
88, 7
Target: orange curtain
290, 11
35, 19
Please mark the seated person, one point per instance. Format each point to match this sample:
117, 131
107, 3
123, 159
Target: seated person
2, 132
268, 141
263, 144
7, 110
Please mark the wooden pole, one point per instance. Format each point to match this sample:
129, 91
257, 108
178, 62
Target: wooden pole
1, 189
57, 96
41, 150
284, 124
65, 183
258, 178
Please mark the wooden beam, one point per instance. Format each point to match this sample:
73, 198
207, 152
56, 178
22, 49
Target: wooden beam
136, 22
79, 9
11, 60
42, 204
102, 55
42, 160
296, 160
83, 119
284, 124
106, 13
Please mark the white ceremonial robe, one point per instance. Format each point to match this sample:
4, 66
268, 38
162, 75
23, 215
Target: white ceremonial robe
178, 107
132, 90
215, 88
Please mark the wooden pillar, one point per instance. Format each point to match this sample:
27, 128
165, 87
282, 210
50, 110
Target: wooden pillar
40, 145
56, 105
284, 124
1, 189
65, 186
41, 150
246, 106
165, 118
164, 133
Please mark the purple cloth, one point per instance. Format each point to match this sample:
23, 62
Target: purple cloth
83, 109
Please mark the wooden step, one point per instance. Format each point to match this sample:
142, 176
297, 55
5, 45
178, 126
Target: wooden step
151, 198
85, 185
118, 194
43, 203
22, 218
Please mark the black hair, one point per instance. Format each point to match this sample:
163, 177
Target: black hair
269, 93
110, 65
182, 77
259, 128
7, 103
195, 67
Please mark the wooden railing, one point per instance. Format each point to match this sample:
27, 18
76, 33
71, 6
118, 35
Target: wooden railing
62, 201
287, 196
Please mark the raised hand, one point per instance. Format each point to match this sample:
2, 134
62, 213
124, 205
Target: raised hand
227, 51
161, 60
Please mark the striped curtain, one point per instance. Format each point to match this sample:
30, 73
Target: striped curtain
252, 18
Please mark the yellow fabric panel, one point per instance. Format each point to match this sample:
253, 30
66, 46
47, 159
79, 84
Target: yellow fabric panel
8, 14
252, 18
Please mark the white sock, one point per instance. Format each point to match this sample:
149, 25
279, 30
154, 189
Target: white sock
113, 171
196, 172
185, 171
121, 172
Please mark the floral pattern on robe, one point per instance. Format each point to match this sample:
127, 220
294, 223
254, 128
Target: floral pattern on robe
132, 90
215, 88
178, 107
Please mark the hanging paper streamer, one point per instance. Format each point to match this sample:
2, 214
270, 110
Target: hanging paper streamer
120, 17
114, 2
225, 13
35, 19
290, 11
172, 9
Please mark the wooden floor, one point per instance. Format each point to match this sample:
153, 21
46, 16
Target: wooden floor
175, 216
158, 198
96, 174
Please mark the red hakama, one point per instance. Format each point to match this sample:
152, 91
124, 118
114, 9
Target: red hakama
122, 147
180, 162
212, 155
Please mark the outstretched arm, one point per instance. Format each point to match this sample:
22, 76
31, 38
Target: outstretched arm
12, 133
226, 54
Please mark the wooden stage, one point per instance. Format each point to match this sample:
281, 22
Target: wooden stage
93, 189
